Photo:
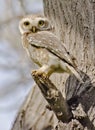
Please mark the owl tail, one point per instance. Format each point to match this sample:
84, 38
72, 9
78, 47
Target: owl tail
75, 72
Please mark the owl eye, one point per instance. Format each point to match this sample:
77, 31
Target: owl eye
41, 23
26, 23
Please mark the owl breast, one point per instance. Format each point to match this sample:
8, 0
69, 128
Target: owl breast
38, 55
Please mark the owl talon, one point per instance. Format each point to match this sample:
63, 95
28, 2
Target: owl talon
39, 73
33, 72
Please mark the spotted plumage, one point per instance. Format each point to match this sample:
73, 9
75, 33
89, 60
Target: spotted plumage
45, 48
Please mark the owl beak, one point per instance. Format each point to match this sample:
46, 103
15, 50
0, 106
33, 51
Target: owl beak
34, 29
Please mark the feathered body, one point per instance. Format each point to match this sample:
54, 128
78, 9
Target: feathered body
44, 47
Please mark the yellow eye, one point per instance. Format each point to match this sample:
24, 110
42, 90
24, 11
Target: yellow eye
26, 23
41, 23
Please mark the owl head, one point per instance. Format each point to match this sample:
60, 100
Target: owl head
34, 23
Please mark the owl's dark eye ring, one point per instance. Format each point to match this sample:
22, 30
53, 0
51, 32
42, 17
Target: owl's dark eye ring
26, 23
41, 23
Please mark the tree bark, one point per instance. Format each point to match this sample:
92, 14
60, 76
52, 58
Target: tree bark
74, 23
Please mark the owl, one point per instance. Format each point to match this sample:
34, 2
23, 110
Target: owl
45, 48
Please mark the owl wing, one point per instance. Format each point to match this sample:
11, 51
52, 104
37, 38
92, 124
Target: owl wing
49, 41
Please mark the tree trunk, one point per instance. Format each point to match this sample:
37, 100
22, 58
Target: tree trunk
74, 23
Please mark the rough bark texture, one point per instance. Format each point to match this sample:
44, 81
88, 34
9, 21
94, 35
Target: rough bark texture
74, 23
54, 97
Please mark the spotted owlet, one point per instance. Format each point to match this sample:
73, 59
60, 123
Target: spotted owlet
44, 47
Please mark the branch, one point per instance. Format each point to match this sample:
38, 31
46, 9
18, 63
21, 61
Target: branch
53, 96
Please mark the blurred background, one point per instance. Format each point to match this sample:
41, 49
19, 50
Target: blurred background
15, 66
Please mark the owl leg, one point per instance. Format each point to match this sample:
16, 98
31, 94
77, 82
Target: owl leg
44, 69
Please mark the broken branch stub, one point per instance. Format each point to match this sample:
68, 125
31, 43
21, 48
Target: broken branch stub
53, 96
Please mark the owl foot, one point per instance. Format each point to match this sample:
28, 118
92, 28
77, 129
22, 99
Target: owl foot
44, 70
39, 73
